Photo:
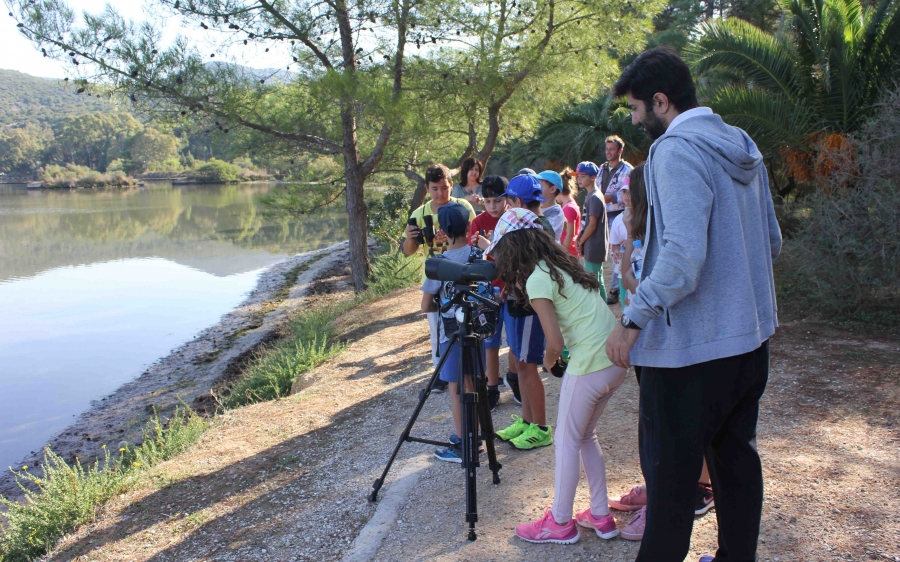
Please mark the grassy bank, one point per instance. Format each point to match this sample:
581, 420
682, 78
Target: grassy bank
66, 496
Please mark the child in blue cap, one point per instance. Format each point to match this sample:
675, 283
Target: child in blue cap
591, 242
454, 220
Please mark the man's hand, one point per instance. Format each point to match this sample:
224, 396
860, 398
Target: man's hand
579, 246
619, 343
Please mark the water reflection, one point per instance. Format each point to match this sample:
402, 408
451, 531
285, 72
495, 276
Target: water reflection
218, 229
94, 286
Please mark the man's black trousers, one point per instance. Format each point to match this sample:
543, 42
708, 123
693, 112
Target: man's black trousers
710, 409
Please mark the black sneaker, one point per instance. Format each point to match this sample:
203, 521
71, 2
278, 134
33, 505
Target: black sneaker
512, 383
703, 500
613, 298
439, 386
494, 397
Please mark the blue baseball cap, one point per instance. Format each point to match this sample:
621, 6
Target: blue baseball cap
588, 169
527, 188
453, 218
552, 177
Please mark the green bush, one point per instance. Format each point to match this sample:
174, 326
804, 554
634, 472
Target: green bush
66, 496
217, 171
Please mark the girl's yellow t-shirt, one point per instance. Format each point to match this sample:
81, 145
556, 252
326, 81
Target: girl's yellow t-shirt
584, 319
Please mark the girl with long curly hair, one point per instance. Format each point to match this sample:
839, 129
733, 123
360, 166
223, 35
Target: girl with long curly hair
568, 302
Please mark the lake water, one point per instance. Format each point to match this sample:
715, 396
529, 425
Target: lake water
96, 285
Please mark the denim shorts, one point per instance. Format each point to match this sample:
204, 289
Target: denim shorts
450, 370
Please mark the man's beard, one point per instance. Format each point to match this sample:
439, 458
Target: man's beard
653, 125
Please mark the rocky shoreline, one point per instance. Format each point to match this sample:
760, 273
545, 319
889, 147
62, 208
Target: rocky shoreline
191, 371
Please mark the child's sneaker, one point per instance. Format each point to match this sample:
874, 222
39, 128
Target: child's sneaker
605, 526
449, 454
635, 499
512, 383
493, 398
634, 531
546, 529
533, 438
514, 430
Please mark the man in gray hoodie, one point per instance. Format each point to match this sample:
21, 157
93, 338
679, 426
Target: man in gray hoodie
704, 310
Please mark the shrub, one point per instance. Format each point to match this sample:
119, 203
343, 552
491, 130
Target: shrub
66, 495
217, 171
845, 258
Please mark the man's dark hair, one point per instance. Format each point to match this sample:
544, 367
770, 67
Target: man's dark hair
616, 139
436, 173
658, 70
468, 164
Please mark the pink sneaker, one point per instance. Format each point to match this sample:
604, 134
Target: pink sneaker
546, 529
605, 526
634, 531
635, 499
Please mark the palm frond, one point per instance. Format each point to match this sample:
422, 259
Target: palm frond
770, 120
743, 48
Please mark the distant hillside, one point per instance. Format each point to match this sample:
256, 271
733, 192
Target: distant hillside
26, 98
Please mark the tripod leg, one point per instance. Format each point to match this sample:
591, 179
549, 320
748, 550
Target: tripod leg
423, 396
470, 437
487, 422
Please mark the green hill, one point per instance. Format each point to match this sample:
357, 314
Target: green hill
24, 98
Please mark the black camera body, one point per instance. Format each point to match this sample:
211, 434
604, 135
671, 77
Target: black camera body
469, 283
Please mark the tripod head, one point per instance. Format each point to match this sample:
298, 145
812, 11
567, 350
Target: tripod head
478, 314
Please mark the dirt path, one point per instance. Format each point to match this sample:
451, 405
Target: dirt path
288, 480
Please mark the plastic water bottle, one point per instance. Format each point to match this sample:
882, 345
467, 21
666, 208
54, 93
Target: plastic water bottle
637, 259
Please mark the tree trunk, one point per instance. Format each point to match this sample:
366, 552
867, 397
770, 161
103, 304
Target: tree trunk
418, 198
356, 206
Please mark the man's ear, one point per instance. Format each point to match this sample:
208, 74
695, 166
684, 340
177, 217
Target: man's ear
661, 101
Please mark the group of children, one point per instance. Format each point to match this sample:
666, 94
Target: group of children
549, 258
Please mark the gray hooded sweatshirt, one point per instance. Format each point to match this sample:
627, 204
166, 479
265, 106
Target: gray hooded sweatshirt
707, 290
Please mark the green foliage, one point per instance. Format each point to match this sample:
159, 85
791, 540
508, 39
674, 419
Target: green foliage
66, 495
72, 175
150, 149
309, 338
845, 259
42, 101
579, 133
217, 171
825, 72
387, 214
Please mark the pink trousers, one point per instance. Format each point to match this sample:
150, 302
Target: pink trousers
581, 402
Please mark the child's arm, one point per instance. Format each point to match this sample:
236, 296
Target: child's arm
570, 234
586, 233
547, 314
428, 304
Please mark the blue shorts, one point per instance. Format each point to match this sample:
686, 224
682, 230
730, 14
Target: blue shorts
450, 370
496, 341
526, 339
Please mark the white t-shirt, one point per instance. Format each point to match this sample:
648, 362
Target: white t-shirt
618, 235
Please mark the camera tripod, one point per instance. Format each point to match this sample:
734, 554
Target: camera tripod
475, 406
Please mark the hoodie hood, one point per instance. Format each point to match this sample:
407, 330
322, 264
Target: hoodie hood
729, 146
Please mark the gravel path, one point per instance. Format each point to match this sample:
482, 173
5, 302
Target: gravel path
288, 480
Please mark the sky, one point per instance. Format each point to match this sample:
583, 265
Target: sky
17, 53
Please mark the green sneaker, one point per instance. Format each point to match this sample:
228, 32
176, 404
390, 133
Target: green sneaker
517, 428
533, 437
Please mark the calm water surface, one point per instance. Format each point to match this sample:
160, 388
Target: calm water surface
96, 285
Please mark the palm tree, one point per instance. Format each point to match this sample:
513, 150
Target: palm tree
821, 75
579, 133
